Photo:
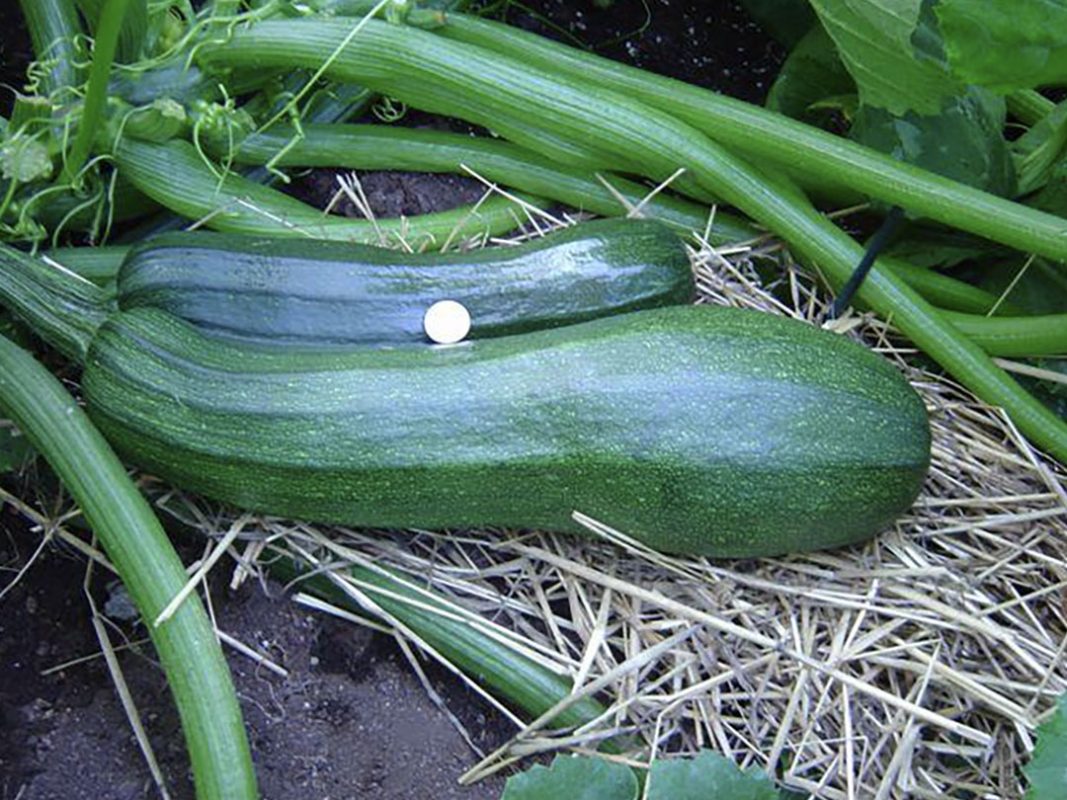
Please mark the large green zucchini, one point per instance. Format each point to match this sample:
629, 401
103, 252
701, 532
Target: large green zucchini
319, 291
695, 429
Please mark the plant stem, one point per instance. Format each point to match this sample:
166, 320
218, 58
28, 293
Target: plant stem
1015, 337
941, 290
143, 557
53, 26
98, 265
134, 28
63, 311
1028, 106
765, 137
518, 680
375, 147
107, 36
238, 205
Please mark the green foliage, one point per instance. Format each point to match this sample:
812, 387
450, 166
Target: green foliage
700, 777
811, 75
874, 39
963, 142
936, 247
1052, 197
1047, 770
15, 450
1006, 45
574, 778
785, 20
1033, 285
1040, 149
707, 775
911, 106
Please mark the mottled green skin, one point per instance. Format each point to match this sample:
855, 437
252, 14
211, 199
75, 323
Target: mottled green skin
695, 429
260, 288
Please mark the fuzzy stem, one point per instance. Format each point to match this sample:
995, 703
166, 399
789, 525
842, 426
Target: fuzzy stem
145, 560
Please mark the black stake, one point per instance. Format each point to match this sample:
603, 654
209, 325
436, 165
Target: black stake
875, 247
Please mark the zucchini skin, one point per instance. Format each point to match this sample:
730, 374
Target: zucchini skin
695, 429
260, 288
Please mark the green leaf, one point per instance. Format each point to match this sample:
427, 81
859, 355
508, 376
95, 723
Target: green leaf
705, 776
15, 449
963, 142
875, 40
573, 778
1052, 197
1047, 770
932, 247
1039, 289
1037, 151
811, 75
1005, 45
785, 20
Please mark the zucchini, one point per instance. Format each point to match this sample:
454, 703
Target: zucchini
696, 429
331, 292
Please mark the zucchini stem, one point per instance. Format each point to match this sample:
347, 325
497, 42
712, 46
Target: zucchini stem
238, 205
520, 681
53, 27
764, 136
375, 147
143, 557
104, 47
63, 310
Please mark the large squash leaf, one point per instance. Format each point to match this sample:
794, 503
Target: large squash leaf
875, 40
574, 778
1047, 770
707, 775
1005, 44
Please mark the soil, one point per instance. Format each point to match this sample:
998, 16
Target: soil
350, 719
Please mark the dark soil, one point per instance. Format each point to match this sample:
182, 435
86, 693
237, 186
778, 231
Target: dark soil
712, 44
351, 719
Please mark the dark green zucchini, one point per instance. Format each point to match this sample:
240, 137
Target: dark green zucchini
332, 292
695, 429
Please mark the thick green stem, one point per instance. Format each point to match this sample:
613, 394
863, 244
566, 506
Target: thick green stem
64, 311
1028, 106
53, 26
104, 45
98, 265
1015, 337
518, 680
373, 147
765, 137
143, 557
942, 290
421, 68
134, 28
238, 205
